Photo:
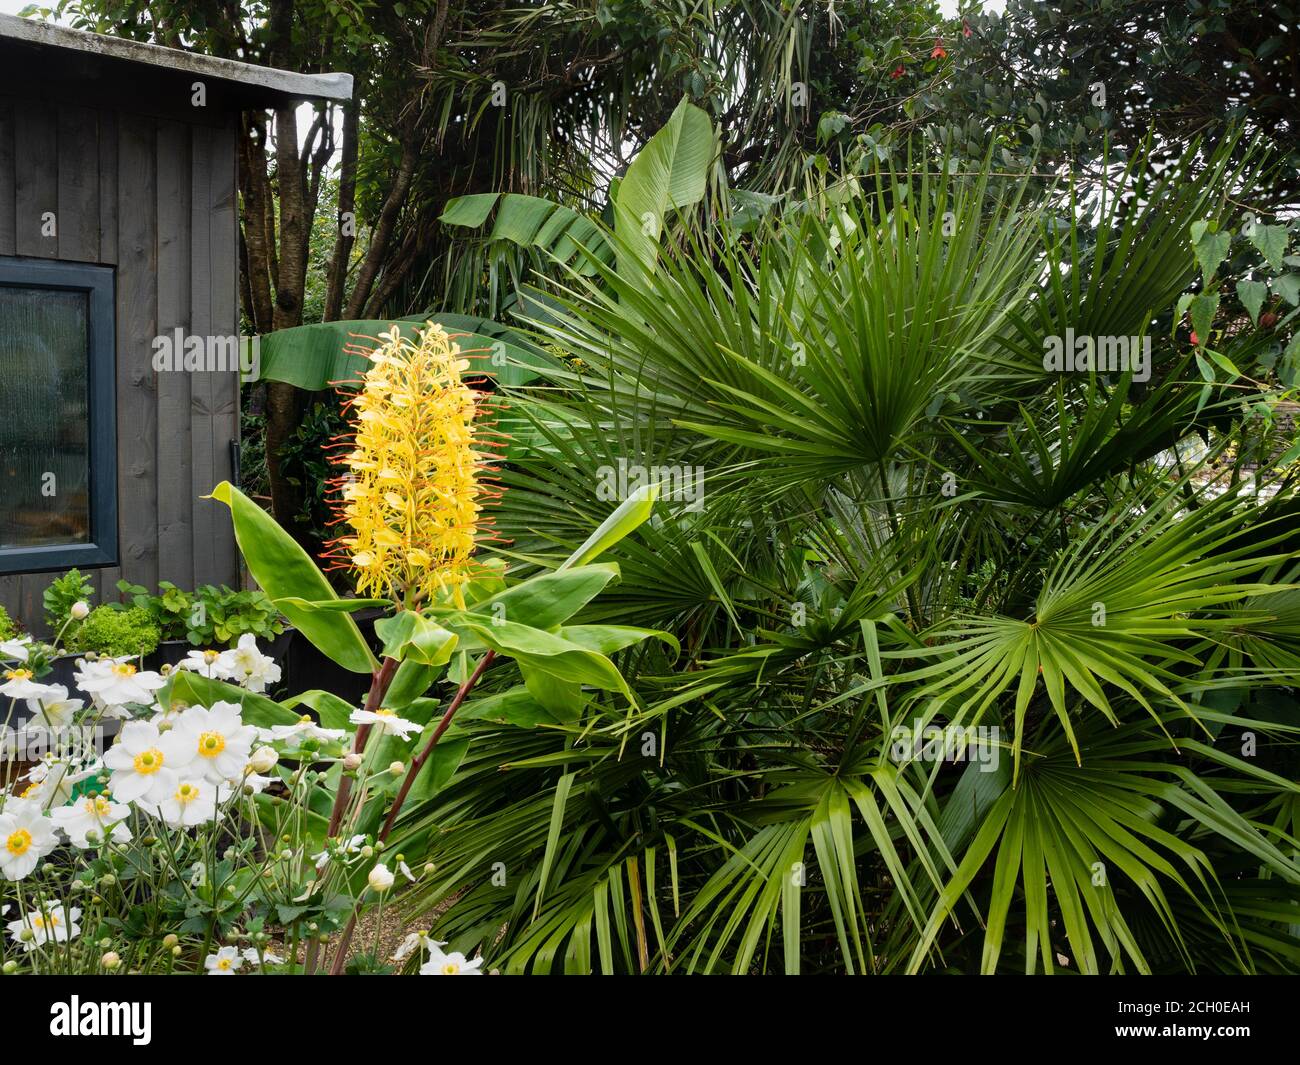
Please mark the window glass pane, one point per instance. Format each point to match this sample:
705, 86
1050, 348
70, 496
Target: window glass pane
44, 418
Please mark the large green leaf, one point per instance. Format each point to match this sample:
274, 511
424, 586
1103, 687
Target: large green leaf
286, 572
320, 356
669, 173
531, 222
193, 689
547, 652
627, 517
549, 599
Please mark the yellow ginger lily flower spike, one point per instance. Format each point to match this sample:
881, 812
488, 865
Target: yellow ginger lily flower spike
413, 487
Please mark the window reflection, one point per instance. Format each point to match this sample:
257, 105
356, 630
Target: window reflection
44, 418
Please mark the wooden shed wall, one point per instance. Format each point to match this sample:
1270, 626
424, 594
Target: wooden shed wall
155, 198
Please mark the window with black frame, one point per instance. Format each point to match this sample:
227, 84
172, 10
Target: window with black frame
58, 478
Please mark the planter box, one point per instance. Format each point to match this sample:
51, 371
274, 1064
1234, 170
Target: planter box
304, 668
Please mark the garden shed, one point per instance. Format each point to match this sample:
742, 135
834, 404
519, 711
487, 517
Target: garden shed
119, 305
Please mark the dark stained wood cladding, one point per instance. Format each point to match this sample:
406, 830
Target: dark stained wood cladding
153, 196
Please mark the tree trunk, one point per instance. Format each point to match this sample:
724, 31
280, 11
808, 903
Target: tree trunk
345, 235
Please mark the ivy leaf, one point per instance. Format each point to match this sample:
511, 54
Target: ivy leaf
1288, 287
1271, 242
1252, 295
1211, 249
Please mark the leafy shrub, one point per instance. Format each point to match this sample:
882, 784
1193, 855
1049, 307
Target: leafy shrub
207, 617
223, 615
58, 598
7, 628
117, 632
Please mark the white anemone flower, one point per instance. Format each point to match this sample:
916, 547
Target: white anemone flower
385, 722
93, 814
215, 665
52, 779
48, 924
193, 802
55, 710
18, 648
144, 762
26, 836
249, 667
114, 682
305, 728
224, 962
413, 941
250, 779
252, 956
218, 739
20, 684
453, 964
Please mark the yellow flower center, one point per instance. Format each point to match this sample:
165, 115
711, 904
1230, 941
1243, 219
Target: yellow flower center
124, 669
211, 744
382, 712
211, 656
98, 806
18, 842
30, 790
224, 964
451, 968
149, 761
305, 719
47, 921
18, 674
187, 793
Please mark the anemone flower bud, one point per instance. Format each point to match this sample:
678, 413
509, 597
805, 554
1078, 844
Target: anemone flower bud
380, 878
263, 759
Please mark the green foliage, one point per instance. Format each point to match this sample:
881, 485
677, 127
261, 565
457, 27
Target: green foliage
116, 633
293, 583
316, 357
210, 616
907, 523
7, 629
61, 594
